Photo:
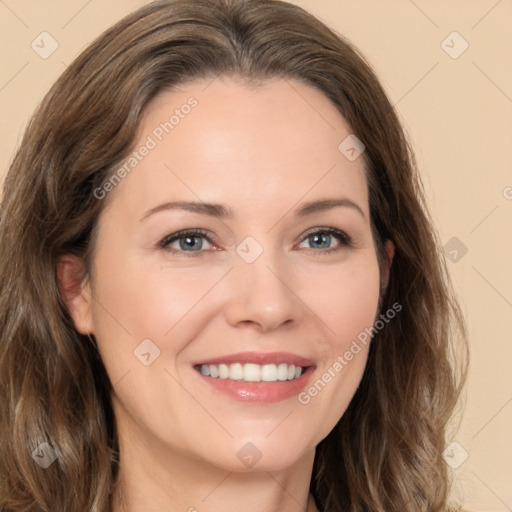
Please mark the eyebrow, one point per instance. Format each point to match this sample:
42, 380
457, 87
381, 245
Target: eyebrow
214, 210
327, 204
222, 212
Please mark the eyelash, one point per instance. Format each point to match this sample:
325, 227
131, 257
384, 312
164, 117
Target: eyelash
342, 237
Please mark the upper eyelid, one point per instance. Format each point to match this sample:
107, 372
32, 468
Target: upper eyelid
340, 234
210, 237
322, 229
187, 232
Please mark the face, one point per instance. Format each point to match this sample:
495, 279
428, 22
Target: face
237, 245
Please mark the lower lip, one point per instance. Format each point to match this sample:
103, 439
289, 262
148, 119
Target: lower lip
259, 392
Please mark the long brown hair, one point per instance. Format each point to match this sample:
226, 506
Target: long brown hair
385, 453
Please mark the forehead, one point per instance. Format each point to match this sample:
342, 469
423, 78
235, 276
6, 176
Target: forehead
266, 145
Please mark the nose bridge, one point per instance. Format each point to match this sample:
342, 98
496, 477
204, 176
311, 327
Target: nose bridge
263, 292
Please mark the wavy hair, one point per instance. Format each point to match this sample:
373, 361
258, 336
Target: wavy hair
385, 453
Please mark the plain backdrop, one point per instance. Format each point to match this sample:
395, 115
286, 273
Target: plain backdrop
446, 67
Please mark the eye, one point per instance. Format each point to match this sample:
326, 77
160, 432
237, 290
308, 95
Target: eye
326, 240
187, 241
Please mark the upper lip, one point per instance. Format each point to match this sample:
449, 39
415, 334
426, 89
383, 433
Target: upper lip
261, 358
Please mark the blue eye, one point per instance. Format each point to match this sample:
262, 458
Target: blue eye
189, 241
193, 242
323, 238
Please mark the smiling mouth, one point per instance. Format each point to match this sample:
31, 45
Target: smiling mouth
257, 377
251, 372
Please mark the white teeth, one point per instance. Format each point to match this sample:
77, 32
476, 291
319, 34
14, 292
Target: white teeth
251, 372
236, 371
223, 371
269, 373
282, 372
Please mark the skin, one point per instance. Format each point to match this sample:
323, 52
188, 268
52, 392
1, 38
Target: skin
263, 151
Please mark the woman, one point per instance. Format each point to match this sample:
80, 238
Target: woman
220, 285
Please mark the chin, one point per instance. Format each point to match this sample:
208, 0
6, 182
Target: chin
261, 455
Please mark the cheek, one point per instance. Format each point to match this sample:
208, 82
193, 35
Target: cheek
136, 302
345, 298
157, 301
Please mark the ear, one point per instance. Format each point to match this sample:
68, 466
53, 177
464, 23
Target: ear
76, 292
389, 248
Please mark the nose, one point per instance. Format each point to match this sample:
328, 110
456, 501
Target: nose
261, 294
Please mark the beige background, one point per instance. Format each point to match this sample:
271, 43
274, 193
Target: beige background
459, 116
